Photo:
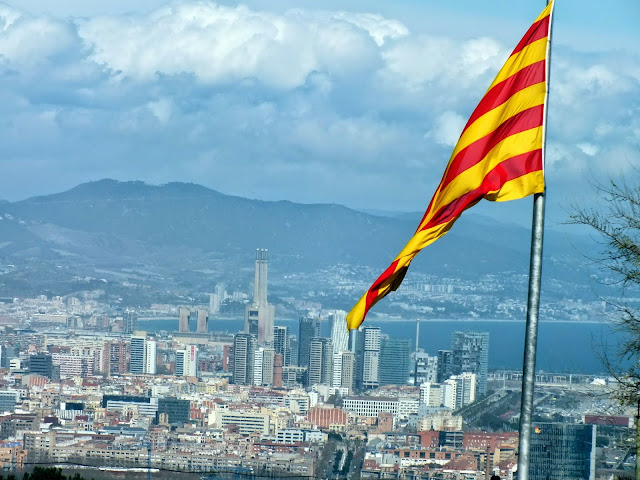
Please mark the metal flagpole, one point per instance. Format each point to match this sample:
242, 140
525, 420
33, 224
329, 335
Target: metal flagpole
531, 337
533, 307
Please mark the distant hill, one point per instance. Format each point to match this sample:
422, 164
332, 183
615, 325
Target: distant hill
112, 223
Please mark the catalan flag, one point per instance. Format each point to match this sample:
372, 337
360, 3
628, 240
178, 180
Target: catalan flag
499, 155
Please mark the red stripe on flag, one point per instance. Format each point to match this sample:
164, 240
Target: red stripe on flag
372, 294
477, 151
538, 30
510, 169
500, 93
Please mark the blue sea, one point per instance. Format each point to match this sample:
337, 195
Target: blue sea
562, 346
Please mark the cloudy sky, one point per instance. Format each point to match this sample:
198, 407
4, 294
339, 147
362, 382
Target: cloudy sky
353, 102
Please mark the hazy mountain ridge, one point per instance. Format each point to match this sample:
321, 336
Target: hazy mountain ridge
131, 223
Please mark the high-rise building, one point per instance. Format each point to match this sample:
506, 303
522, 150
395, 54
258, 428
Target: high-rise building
260, 314
183, 322
136, 365
7, 352
460, 390
339, 332
268, 357
282, 344
214, 304
42, 364
394, 361
371, 357
178, 411
203, 321
295, 350
150, 357
277, 370
343, 370
471, 354
244, 346
221, 291
257, 366
118, 358
425, 368
308, 329
263, 365
129, 321
562, 451
320, 362
445, 365
187, 362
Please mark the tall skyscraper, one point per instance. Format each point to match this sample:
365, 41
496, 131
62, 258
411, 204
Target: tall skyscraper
136, 365
244, 347
150, 360
339, 332
257, 366
394, 361
187, 362
320, 362
183, 322
425, 368
562, 451
277, 370
129, 321
445, 365
214, 304
118, 358
203, 321
371, 357
268, 356
260, 313
471, 354
308, 328
343, 370
281, 343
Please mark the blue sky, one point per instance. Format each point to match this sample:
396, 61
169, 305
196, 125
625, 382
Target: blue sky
355, 102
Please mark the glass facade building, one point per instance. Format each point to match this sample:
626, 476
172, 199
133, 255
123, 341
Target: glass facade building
394, 361
562, 451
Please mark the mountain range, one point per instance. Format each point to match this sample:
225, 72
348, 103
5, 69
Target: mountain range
115, 226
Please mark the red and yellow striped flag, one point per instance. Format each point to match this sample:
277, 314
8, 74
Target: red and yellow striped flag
499, 155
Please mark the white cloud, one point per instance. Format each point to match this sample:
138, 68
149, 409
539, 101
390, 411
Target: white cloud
424, 59
304, 104
219, 44
588, 148
448, 127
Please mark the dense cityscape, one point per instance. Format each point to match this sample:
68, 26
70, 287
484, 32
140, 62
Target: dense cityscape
83, 384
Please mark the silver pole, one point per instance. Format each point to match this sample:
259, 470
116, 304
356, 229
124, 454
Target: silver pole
531, 337
533, 303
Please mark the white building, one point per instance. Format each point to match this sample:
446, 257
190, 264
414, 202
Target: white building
339, 332
371, 357
407, 406
187, 362
370, 406
150, 357
296, 435
460, 390
432, 394
247, 422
